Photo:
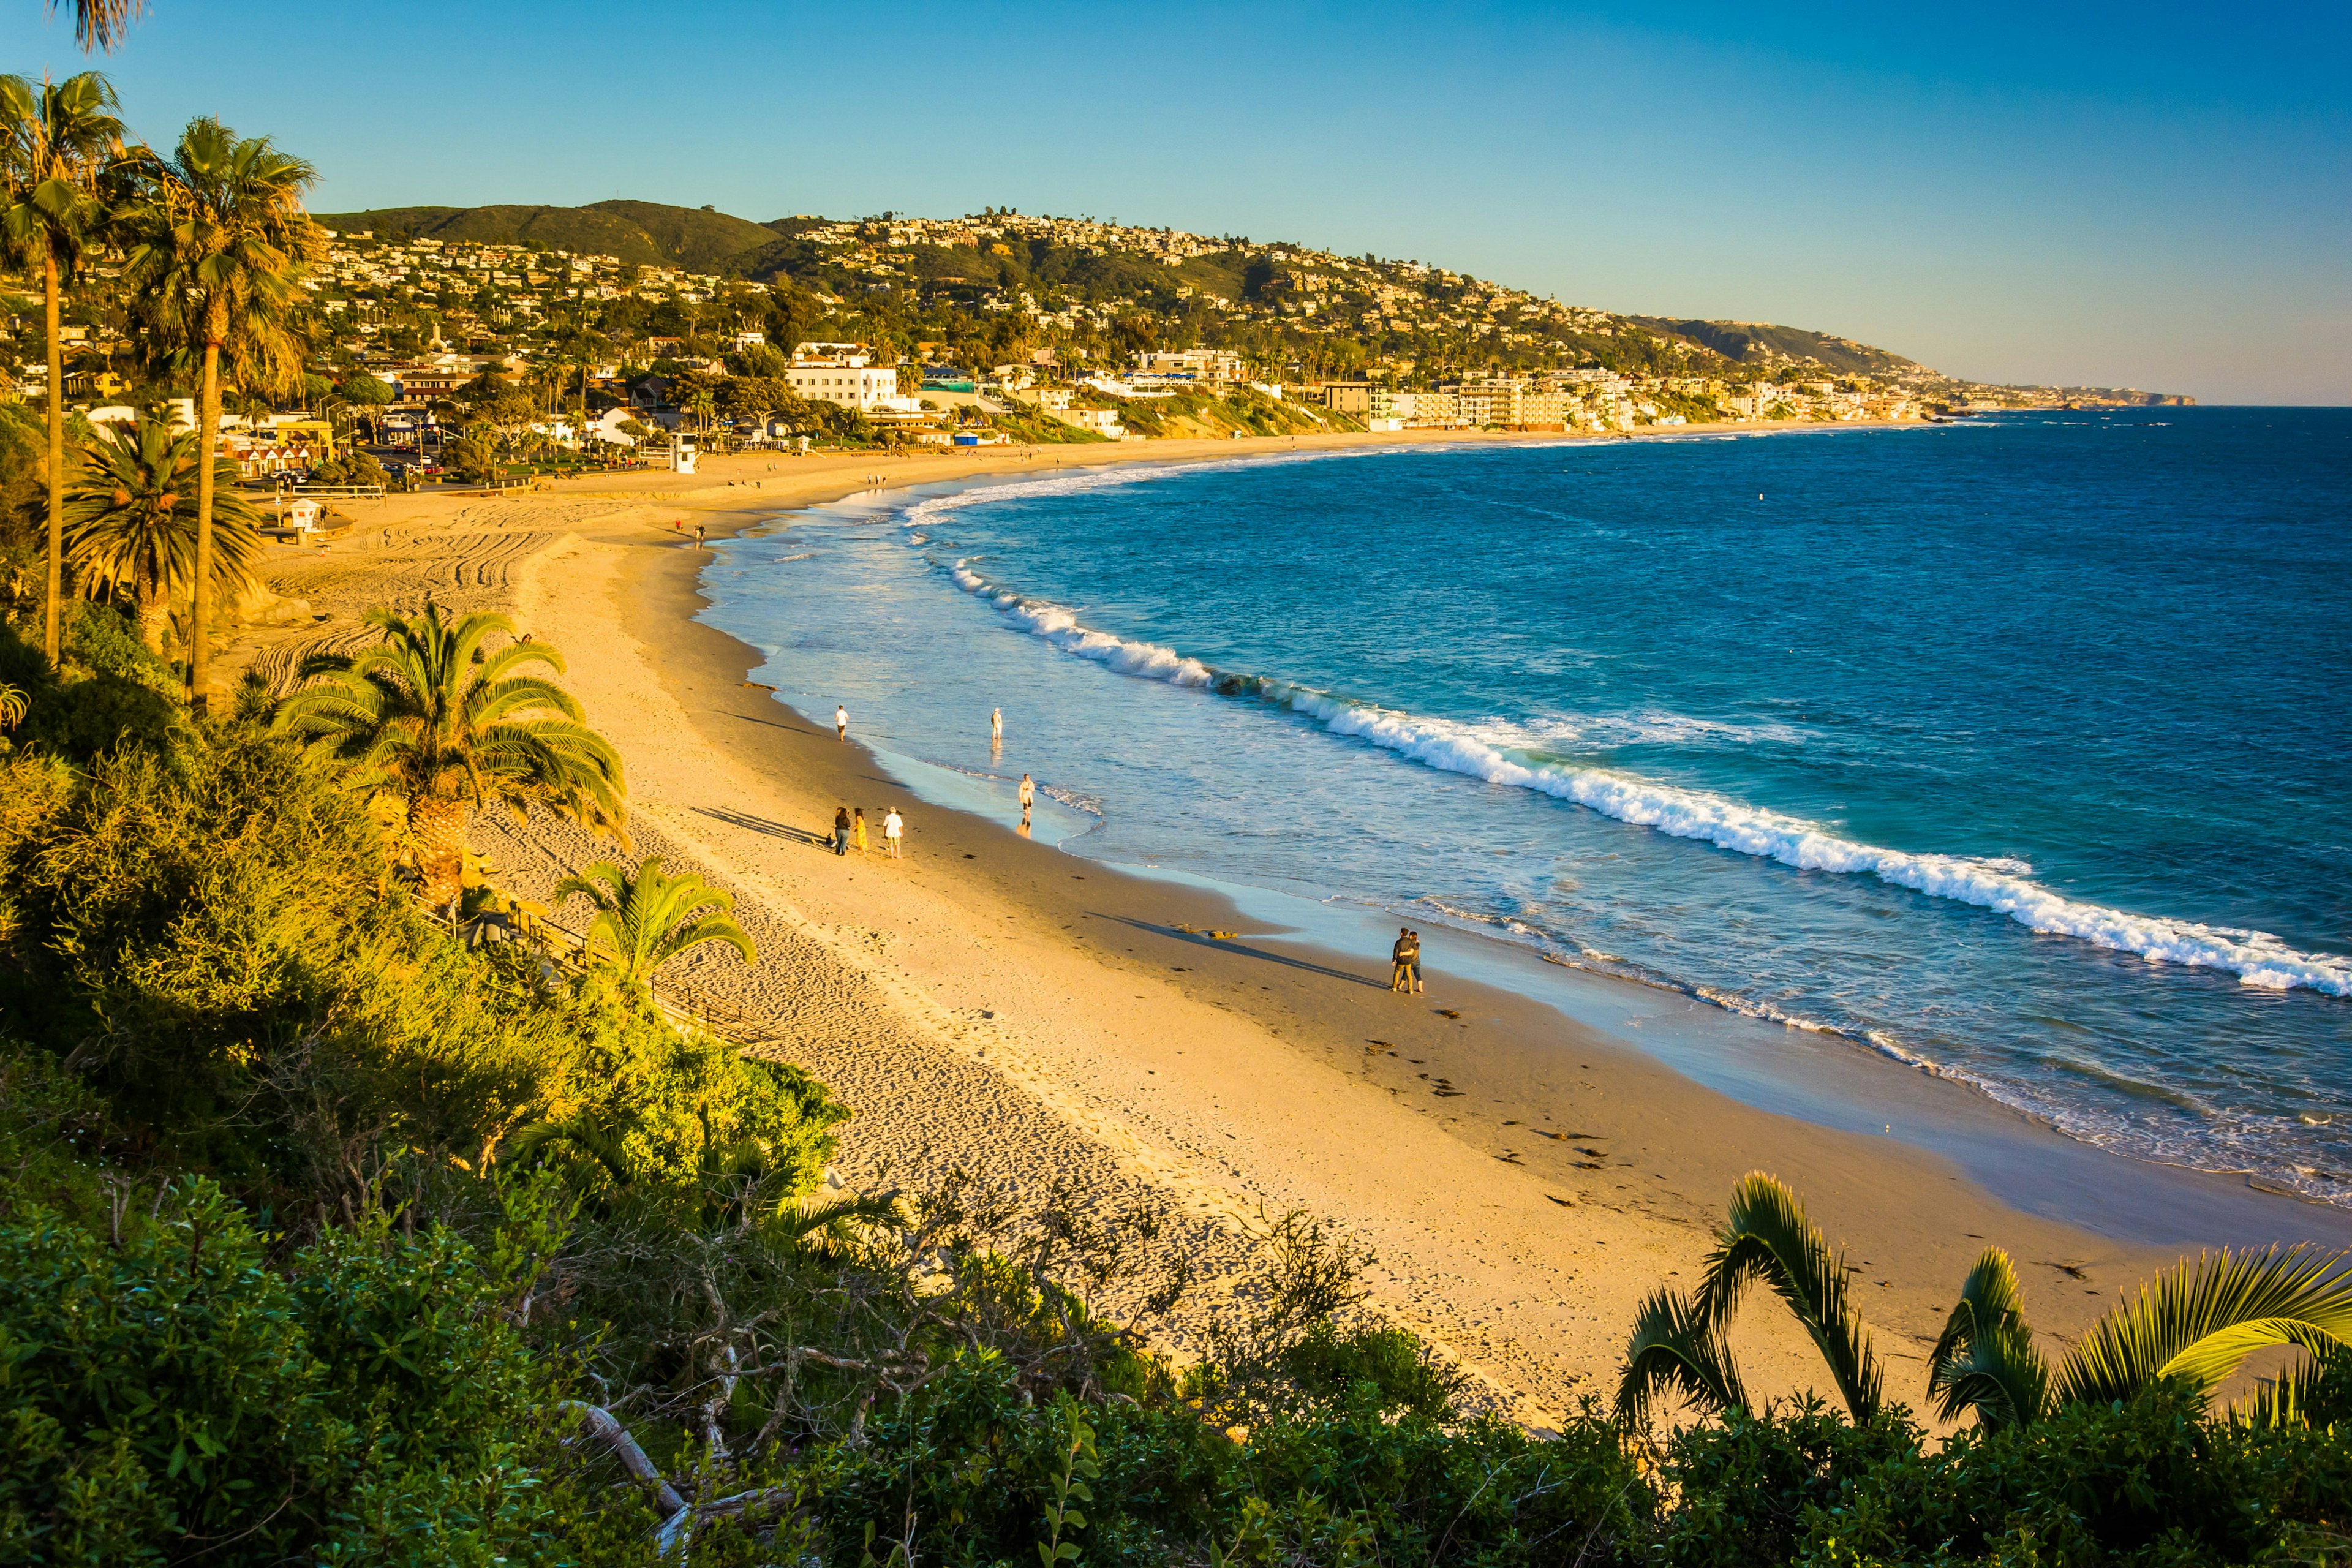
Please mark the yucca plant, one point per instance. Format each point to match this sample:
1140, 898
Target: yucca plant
2197, 1322
432, 718
646, 918
1765, 1238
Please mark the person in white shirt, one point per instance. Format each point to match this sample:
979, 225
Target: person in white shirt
840, 722
1028, 798
996, 726
893, 828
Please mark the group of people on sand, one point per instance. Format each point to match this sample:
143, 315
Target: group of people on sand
849, 831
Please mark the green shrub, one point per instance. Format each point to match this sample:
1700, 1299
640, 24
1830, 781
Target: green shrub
166, 1396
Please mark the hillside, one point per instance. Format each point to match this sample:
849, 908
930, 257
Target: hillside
646, 234
1757, 342
1000, 285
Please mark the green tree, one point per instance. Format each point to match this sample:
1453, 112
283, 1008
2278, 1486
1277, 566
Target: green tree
132, 519
2194, 1327
2196, 1323
1678, 1341
644, 920
216, 271
57, 142
432, 719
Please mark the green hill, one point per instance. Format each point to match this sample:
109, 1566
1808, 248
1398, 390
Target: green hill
1756, 342
645, 233
810, 252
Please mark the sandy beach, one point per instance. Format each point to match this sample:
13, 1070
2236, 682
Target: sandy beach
994, 1005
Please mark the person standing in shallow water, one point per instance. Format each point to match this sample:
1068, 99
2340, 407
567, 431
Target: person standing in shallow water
1028, 798
996, 726
841, 830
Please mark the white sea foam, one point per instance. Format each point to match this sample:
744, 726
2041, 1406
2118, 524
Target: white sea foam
2257, 958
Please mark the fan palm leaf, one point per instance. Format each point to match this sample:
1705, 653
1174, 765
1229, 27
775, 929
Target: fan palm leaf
1677, 1347
432, 717
2200, 1320
1766, 1236
1985, 1360
645, 919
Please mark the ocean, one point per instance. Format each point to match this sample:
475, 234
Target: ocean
2016, 749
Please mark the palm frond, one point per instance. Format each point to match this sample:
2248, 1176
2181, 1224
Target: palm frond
1985, 1359
830, 1227
1767, 1236
1677, 1347
2200, 1320
540, 1139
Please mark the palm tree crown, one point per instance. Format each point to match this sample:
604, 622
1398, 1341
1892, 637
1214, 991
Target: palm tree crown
1678, 1342
132, 519
221, 243
431, 718
2195, 1325
646, 920
57, 142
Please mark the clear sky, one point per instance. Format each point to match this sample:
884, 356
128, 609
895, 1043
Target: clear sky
2148, 195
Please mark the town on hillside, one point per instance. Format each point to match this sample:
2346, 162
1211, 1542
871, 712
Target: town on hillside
470, 344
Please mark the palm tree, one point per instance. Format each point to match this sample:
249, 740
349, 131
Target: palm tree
2198, 1321
57, 142
132, 520
647, 919
1679, 1342
429, 718
216, 272
101, 24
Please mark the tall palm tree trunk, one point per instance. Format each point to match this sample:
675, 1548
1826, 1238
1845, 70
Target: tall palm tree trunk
53, 628
438, 827
155, 598
208, 438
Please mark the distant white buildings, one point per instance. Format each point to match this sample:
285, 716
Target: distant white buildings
843, 374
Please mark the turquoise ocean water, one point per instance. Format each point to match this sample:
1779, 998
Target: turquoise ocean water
2021, 748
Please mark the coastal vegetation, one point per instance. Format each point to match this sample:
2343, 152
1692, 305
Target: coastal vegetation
342, 1223
434, 722
327, 1232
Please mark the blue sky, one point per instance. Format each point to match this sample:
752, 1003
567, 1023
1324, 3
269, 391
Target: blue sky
2146, 195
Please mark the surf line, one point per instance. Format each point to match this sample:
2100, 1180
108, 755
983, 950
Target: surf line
2258, 959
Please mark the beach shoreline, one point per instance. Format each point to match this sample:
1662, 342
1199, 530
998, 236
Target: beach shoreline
995, 1005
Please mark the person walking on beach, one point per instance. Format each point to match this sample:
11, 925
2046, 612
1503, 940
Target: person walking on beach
697, 536
857, 831
841, 830
1028, 798
1398, 964
840, 722
893, 828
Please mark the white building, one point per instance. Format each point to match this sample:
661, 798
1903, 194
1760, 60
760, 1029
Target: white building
844, 374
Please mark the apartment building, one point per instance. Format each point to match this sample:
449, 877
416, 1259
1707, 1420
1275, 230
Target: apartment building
843, 374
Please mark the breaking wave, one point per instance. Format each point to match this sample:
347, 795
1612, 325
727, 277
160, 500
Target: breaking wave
2003, 886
